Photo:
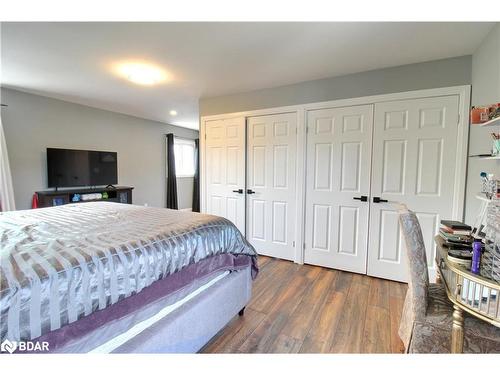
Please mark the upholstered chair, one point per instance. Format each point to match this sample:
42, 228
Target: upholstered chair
426, 320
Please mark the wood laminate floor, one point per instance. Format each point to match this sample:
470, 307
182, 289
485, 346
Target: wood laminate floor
308, 309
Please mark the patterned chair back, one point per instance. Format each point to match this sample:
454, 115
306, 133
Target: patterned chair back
416, 300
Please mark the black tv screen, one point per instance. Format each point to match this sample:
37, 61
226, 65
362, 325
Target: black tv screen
70, 168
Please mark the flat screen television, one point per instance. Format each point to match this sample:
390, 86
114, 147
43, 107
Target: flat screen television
71, 168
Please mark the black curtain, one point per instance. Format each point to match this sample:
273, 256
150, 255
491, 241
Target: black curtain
196, 187
172, 177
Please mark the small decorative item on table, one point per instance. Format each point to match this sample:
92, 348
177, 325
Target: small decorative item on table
491, 257
494, 111
57, 201
462, 257
90, 197
478, 115
490, 186
485, 113
496, 144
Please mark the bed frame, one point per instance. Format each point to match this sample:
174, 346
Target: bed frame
191, 326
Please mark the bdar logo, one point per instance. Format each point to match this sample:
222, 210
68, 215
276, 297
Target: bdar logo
8, 346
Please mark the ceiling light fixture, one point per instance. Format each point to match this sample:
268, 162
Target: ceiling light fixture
141, 73
173, 112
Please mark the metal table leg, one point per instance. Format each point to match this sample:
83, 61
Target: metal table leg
457, 333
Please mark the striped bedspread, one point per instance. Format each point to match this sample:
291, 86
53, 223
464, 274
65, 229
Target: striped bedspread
61, 263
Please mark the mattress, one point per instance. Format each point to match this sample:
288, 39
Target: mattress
60, 264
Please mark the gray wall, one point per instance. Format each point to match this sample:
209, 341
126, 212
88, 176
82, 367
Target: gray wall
440, 73
32, 123
485, 90
486, 69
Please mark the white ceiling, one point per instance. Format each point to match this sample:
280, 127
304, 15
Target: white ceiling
71, 61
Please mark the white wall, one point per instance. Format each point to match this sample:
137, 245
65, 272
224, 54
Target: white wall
32, 123
485, 90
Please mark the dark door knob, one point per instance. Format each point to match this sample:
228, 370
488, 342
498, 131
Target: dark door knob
363, 198
250, 191
379, 200
239, 191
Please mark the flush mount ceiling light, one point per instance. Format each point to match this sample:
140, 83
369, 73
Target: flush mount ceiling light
173, 112
141, 73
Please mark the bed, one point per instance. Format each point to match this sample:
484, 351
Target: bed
115, 278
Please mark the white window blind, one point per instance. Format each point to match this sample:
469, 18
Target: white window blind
184, 157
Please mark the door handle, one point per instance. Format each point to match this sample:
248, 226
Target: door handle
239, 191
379, 200
250, 191
363, 198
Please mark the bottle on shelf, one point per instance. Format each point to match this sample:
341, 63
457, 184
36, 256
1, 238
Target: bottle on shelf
477, 248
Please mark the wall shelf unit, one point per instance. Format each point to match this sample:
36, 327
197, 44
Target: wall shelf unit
493, 122
482, 197
486, 157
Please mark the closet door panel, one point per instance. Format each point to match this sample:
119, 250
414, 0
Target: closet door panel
414, 153
271, 173
225, 169
338, 170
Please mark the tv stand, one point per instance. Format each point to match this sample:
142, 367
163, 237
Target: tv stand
110, 193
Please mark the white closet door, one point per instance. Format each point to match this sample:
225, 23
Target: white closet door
339, 142
414, 155
271, 200
225, 169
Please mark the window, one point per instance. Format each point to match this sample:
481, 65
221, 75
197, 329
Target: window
184, 157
